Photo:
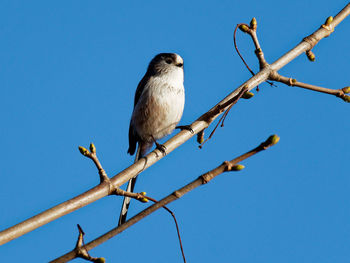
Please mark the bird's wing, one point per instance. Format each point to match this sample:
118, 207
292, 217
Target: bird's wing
133, 137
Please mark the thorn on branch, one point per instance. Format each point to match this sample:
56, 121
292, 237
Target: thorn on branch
82, 252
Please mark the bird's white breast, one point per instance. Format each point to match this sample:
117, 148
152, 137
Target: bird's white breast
161, 104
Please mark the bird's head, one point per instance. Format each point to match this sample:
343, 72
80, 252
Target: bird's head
165, 62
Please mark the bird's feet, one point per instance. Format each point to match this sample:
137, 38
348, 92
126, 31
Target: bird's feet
185, 127
161, 148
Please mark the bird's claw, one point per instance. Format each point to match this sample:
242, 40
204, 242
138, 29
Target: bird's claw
161, 148
185, 127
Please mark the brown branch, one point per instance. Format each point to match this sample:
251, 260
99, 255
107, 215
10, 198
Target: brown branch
230, 104
79, 249
197, 126
251, 30
93, 156
340, 93
81, 252
237, 50
201, 180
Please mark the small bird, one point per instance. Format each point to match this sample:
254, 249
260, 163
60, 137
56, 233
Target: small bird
158, 107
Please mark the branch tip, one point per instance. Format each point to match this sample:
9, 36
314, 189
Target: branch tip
200, 137
92, 148
253, 24
272, 140
244, 28
99, 260
84, 151
346, 90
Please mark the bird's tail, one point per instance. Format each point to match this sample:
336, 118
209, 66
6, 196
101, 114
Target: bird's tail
130, 188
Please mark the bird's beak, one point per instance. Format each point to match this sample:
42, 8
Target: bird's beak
180, 65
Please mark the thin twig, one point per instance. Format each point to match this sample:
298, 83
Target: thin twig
93, 156
222, 118
201, 180
80, 250
142, 197
176, 224
340, 93
236, 48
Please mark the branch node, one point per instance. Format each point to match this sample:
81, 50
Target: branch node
292, 82
228, 166
205, 178
93, 156
81, 251
177, 194
311, 40
328, 25
143, 199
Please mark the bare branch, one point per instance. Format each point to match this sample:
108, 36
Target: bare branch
293, 82
201, 180
80, 250
92, 155
199, 125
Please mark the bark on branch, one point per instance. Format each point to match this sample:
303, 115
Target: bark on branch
199, 125
205, 178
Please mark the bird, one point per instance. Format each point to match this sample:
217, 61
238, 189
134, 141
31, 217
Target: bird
158, 107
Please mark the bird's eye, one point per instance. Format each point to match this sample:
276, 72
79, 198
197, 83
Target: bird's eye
168, 61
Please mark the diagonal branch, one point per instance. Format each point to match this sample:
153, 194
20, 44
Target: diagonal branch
201, 180
197, 126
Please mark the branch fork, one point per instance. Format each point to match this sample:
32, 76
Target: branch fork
81, 251
312, 40
201, 180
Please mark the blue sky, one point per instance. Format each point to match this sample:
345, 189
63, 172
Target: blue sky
68, 73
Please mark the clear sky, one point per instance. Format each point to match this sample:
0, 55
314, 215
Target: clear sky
68, 73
